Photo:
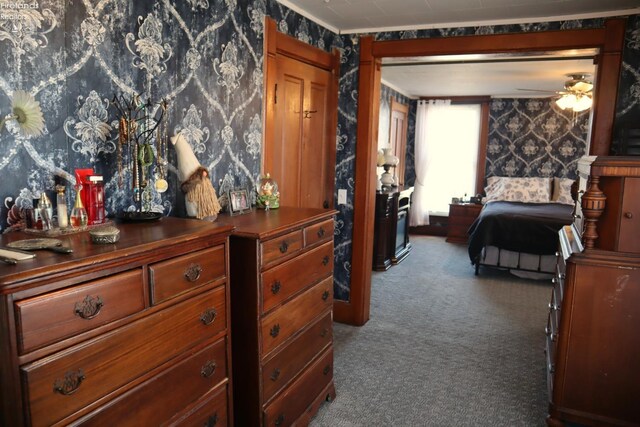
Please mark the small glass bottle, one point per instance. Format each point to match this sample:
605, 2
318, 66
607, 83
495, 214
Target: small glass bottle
79, 213
61, 206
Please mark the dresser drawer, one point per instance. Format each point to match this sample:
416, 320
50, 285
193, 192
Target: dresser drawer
464, 221
59, 385
280, 247
290, 360
51, 317
211, 412
181, 274
318, 232
162, 397
289, 318
292, 403
284, 280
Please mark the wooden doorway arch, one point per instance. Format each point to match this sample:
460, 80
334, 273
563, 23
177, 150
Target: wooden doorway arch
608, 41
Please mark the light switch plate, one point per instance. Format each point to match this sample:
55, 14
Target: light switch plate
342, 196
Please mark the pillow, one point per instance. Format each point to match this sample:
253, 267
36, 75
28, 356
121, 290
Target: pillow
516, 189
562, 191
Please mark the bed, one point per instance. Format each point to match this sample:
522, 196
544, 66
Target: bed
517, 228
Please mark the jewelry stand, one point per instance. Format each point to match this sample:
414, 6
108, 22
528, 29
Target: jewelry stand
139, 124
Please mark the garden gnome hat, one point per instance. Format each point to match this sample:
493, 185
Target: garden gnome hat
201, 200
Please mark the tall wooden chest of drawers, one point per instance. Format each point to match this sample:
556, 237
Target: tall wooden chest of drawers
132, 333
593, 339
281, 299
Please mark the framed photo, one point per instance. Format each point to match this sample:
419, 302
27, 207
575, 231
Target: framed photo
238, 201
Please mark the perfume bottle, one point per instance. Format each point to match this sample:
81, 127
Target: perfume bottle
45, 210
61, 206
78, 213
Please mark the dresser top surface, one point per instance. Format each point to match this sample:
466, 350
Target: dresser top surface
135, 239
264, 224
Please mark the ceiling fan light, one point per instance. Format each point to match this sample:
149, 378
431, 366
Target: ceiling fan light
582, 103
566, 101
582, 86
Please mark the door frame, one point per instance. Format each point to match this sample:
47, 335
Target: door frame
277, 43
609, 42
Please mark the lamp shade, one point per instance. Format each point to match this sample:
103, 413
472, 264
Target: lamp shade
582, 103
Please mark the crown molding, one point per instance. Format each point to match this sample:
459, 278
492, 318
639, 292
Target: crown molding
460, 24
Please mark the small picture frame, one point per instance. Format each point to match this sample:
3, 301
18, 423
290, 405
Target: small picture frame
455, 200
238, 201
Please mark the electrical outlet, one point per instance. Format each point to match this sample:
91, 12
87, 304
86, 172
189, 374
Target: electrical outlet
342, 196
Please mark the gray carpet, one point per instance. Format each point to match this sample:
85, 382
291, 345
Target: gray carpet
443, 347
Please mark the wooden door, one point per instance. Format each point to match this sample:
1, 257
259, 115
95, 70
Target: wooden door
301, 112
398, 136
299, 156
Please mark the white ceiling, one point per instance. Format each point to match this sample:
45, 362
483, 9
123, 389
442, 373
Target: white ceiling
497, 79
358, 16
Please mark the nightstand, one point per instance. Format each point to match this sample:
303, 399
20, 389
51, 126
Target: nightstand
461, 216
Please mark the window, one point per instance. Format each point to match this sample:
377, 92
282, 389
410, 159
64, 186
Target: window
447, 142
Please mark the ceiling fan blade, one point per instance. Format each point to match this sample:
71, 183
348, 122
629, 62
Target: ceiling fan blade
538, 90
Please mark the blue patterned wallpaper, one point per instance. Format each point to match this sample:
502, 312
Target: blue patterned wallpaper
205, 58
533, 137
384, 128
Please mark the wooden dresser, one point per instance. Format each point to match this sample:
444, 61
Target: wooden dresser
281, 299
593, 337
461, 216
119, 334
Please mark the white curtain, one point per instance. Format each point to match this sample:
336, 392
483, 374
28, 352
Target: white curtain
426, 113
446, 153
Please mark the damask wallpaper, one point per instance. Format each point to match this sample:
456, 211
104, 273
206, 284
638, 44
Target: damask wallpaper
533, 137
384, 124
205, 58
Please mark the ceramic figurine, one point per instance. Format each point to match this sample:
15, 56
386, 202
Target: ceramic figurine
200, 196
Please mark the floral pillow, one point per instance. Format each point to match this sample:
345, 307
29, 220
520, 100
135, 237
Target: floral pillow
526, 190
562, 191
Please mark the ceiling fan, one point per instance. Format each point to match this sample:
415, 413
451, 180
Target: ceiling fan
577, 94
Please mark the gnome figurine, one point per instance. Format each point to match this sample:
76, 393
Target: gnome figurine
200, 196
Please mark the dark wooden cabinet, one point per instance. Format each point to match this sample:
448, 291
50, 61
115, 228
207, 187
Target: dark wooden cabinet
593, 339
461, 216
100, 336
282, 300
391, 235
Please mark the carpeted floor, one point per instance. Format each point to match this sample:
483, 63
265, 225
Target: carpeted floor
443, 347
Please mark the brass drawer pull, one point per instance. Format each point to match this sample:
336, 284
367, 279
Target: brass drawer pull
192, 273
70, 383
325, 295
280, 420
284, 247
89, 308
326, 369
628, 215
212, 421
275, 287
321, 232
208, 316
325, 260
275, 374
275, 330
324, 332
208, 369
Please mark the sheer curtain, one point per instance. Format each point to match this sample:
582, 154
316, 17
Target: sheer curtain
427, 113
446, 153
